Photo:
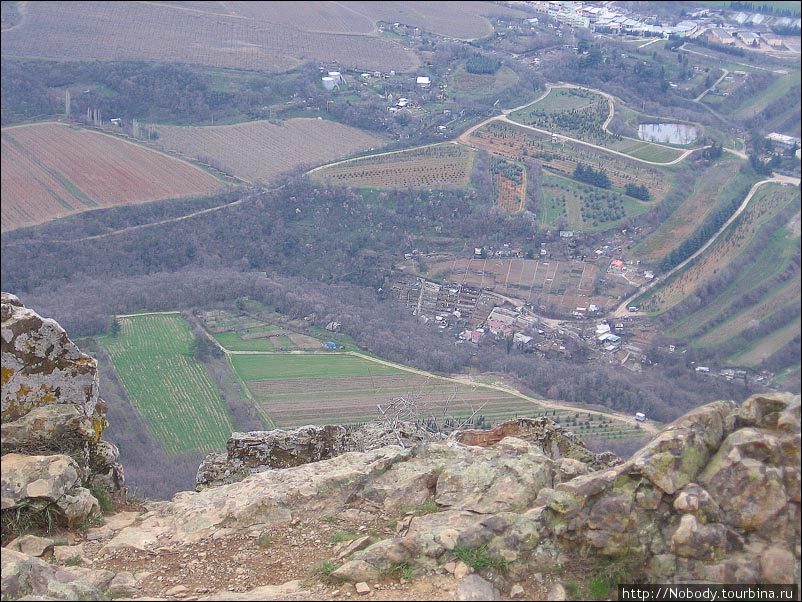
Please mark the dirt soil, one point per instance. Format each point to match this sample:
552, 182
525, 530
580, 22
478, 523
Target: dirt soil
305, 551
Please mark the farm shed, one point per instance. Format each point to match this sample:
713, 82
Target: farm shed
783, 141
423, 81
718, 35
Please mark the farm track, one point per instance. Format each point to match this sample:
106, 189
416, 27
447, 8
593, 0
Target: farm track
461, 139
464, 138
621, 310
547, 404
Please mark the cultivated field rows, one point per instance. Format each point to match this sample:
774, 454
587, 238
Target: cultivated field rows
428, 167
529, 280
173, 33
51, 170
515, 142
168, 387
690, 213
259, 150
766, 202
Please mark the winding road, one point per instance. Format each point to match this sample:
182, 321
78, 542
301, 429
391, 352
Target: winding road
464, 138
622, 310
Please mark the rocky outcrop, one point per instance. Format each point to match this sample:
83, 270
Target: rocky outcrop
713, 498
553, 440
52, 421
701, 502
257, 451
714, 491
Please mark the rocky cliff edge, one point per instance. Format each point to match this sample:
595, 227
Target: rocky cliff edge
714, 498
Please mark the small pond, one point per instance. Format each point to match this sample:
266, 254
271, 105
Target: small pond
672, 133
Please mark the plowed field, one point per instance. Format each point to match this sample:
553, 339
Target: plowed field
51, 170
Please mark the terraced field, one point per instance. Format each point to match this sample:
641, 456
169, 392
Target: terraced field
168, 387
757, 258
766, 203
721, 182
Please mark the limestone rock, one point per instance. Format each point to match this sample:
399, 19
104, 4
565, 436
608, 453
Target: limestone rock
777, 566
262, 500
58, 428
257, 451
694, 499
27, 576
695, 540
568, 468
747, 479
356, 571
41, 365
33, 482
360, 543
474, 587
766, 411
62, 554
123, 585
546, 435
682, 449
50, 402
495, 479
31, 545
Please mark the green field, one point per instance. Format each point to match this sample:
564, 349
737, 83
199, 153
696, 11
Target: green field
170, 389
297, 389
584, 207
185, 411
741, 296
475, 86
307, 366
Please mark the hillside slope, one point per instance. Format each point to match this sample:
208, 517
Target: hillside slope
517, 512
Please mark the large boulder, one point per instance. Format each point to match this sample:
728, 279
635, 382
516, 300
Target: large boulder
41, 365
50, 402
699, 502
39, 483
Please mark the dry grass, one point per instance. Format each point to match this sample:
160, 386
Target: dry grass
259, 149
240, 39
